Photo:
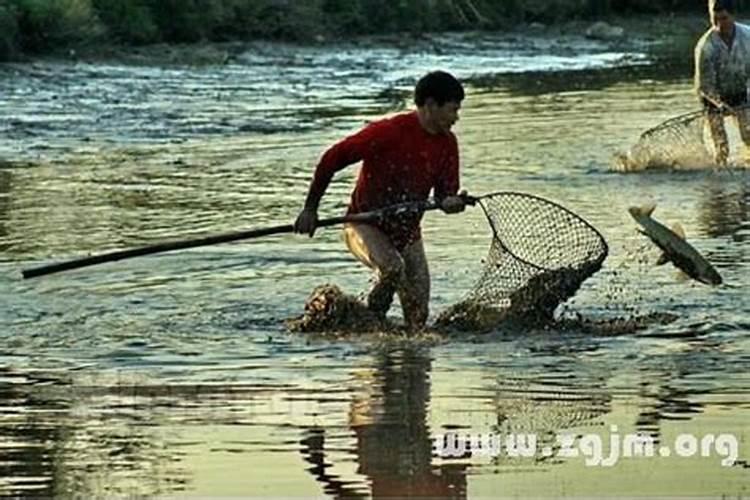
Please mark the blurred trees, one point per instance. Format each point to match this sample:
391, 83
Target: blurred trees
35, 26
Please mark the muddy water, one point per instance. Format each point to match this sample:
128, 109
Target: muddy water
171, 375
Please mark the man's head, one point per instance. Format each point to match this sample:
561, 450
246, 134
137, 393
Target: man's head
438, 97
722, 16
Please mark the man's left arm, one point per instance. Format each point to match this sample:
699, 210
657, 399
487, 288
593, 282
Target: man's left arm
446, 190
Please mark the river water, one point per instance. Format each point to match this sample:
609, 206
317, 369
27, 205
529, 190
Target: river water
173, 375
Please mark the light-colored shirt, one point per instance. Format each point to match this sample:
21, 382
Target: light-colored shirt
722, 70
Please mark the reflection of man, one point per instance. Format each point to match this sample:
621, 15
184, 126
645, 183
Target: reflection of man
394, 449
722, 68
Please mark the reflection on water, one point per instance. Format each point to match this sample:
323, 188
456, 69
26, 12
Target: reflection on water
724, 209
5, 193
362, 423
28, 461
170, 374
394, 448
61, 438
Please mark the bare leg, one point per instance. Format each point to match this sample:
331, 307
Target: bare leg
719, 136
374, 249
415, 290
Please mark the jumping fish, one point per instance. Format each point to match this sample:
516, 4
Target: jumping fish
676, 250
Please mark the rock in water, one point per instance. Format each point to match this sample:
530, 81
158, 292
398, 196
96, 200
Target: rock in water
603, 31
330, 310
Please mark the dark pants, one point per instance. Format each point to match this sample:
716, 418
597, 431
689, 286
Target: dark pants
716, 124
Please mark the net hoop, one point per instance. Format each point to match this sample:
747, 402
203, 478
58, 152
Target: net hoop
604, 248
683, 119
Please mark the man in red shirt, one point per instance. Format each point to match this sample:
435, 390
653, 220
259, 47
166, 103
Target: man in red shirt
404, 158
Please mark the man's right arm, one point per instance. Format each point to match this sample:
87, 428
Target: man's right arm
347, 152
706, 77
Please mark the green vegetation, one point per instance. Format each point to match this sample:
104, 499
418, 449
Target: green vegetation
43, 26
8, 31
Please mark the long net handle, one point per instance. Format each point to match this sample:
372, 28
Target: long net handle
222, 238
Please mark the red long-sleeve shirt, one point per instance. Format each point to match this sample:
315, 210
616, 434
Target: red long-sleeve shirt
401, 162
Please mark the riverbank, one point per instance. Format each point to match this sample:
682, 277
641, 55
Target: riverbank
671, 39
34, 27
86, 37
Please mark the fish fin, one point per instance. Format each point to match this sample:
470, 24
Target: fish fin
678, 230
663, 259
643, 210
648, 208
682, 277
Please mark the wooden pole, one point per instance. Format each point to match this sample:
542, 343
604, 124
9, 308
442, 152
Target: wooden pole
215, 239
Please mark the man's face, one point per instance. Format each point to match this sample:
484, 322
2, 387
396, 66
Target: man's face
724, 22
443, 117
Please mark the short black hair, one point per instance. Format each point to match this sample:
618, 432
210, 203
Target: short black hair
727, 5
441, 86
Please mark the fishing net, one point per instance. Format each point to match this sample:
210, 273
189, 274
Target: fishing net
540, 255
680, 142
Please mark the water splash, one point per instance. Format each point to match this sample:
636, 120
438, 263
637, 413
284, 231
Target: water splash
680, 143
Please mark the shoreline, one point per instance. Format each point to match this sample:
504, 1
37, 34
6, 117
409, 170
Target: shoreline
639, 33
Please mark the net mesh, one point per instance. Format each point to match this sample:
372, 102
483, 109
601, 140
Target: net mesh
676, 142
680, 142
539, 256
